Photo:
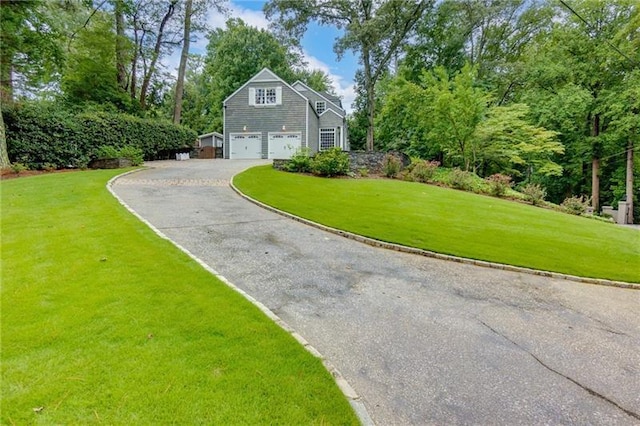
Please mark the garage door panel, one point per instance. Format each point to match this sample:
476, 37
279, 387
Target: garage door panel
284, 145
245, 146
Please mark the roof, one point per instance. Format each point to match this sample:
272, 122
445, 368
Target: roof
264, 75
206, 135
329, 98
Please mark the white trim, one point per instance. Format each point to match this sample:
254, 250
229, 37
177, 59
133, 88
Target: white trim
321, 95
306, 133
330, 110
320, 129
252, 80
206, 135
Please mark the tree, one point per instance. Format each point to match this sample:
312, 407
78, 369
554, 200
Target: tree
578, 53
177, 110
91, 68
375, 30
456, 107
506, 138
234, 55
31, 52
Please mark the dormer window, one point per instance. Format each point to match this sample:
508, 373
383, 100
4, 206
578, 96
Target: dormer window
321, 106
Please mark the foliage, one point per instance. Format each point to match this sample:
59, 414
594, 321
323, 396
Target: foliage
498, 184
332, 162
363, 172
507, 139
423, 171
576, 205
452, 222
374, 30
534, 193
131, 153
96, 308
40, 133
461, 179
18, 168
391, 165
89, 75
300, 161
234, 55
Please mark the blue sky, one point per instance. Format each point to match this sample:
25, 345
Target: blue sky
317, 45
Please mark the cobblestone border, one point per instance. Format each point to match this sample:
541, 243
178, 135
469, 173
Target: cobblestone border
354, 399
427, 253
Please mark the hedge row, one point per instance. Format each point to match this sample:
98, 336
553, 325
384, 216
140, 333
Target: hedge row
40, 134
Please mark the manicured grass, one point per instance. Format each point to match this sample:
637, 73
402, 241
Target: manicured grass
453, 222
104, 322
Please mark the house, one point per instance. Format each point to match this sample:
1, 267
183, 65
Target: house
268, 118
210, 145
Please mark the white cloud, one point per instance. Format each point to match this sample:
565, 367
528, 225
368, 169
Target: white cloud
345, 89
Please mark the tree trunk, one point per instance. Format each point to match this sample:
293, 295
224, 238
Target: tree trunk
595, 167
4, 156
629, 180
177, 110
121, 45
155, 55
371, 97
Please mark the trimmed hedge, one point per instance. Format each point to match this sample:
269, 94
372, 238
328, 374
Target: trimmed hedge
38, 134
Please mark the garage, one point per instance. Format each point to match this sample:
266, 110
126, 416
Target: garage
284, 145
245, 146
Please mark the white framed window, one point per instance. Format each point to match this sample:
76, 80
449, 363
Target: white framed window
327, 138
321, 106
259, 96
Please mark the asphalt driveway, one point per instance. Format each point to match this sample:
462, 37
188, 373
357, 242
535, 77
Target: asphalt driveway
423, 341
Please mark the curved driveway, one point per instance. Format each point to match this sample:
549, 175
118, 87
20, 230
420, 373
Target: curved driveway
422, 341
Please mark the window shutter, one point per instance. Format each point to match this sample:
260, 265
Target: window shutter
279, 95
252, 96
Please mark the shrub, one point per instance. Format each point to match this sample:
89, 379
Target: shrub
48, 167
132, 154
460, 179
363, 171
18, 168
424, 171
391, 165
498, 184
575, 205
332, 162
107, 151
534, 193
40, 133
300, 161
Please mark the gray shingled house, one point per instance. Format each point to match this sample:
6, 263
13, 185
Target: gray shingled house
268, 118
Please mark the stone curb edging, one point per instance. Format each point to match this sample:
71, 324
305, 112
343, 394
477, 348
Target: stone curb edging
427, 253
354, 399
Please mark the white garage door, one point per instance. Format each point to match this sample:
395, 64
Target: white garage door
245, 145
284, 145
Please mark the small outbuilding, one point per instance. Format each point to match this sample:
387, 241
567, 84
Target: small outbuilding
210, 145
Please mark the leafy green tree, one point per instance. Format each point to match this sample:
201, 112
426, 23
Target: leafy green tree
90, 73
455, 108
508, 140
234, 55
579, 53
374, 30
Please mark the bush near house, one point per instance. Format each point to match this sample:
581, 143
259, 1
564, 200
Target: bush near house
39, 134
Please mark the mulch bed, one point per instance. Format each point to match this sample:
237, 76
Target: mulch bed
10, 174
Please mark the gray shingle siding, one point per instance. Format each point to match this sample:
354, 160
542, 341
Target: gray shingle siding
296, 112
268, 118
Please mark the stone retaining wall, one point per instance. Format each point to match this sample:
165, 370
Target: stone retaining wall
370, 160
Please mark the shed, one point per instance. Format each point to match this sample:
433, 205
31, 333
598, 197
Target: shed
210, 145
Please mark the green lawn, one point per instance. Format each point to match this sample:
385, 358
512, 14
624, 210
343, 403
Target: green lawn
104, 322
453, 222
